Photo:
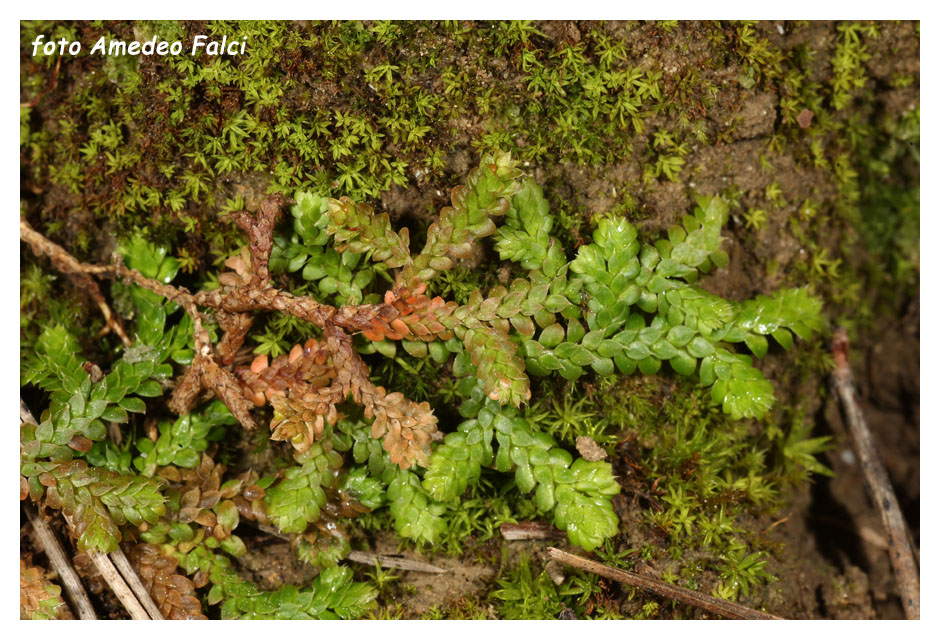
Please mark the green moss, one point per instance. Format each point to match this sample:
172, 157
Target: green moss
576, 103
371, 110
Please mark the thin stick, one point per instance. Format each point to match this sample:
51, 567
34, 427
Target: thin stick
118, 586
391, 562
133, 580
54, 551
530, 531
107, 570
877, 480
663, 589
72, 584
364, 557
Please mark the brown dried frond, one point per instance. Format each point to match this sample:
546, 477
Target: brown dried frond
341, 504
199, 493
304, 369
227, 388
408, 426
302, 419
173, 593
251, 509
206, 477
241, 272
415, 317
40, 598
235, 327
243, 484
266, 298
186, 394
318, 375
248, 497
300, 416
205, 373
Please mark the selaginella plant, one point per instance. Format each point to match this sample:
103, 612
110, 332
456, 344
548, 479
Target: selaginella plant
618, 306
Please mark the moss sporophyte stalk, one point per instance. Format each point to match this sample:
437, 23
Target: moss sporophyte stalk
617, 306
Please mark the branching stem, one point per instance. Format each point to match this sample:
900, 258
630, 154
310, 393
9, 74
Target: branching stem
67, 264
251, 291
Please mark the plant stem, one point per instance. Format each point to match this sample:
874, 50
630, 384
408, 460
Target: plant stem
876, 478
71, 582
133, 581
680, 594
117, 584
66, 263
61, 565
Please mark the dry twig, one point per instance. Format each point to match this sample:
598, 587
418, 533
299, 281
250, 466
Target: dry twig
133, 581
407, 427
65, 263
530, 531
72, 584
877, 480
117, 584
663, 589
393, 562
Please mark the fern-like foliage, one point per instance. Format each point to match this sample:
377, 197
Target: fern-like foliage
156, 324
332, 595
415, 514
576, 492
181, 442
296, 501
642, 309
99, 499
378, 482
340, 277
617, 306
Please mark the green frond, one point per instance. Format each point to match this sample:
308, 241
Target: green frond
414, 514
296, 501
